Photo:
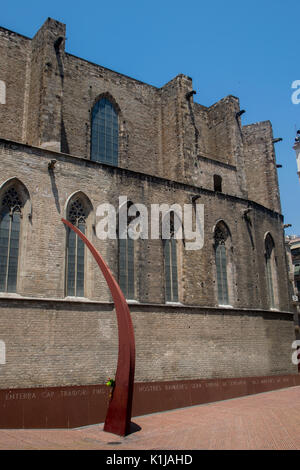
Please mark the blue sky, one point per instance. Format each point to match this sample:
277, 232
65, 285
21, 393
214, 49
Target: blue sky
247, 49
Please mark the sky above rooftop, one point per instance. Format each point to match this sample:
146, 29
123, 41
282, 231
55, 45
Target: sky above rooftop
247, 49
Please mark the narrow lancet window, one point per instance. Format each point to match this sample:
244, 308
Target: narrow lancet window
105, 133
221, 236
75, 250
10, 221
170, 264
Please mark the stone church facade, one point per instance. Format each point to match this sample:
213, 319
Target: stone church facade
222, 311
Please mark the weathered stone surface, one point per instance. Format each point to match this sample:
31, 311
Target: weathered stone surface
170, 148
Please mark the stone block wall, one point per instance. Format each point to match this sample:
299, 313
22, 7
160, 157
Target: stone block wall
57, 343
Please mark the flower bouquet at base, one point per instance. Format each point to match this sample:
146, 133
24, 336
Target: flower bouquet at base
110, 383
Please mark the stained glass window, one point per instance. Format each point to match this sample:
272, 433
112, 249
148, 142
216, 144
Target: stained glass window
171, 280
75, 251
126, 267
10, 218
105, 133
221, 236
270, 268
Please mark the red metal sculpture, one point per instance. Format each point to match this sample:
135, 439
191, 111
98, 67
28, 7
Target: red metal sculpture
119, 410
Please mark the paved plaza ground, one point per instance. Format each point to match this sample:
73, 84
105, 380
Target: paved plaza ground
268, 421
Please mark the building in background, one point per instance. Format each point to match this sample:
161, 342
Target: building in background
293, 257
294, 244
297, 150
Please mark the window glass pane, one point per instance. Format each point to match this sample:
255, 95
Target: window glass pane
269, 245
221, 267
174, 270
270, 282
4, 240
126, 267
76, 251
80, 264
13, 253
122, 266
9, 240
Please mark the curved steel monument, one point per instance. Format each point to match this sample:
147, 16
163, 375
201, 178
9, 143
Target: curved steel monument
119, 410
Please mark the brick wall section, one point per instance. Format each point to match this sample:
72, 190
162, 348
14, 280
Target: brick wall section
14, 62
221, 121
260, 160
53, 343
173, 106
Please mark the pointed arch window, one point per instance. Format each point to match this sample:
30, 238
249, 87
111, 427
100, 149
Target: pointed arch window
126, 258
270, 268
105, 132
170, 264
221, 236
75, 268
10, 221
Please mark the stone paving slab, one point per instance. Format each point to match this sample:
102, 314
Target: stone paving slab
269, 420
